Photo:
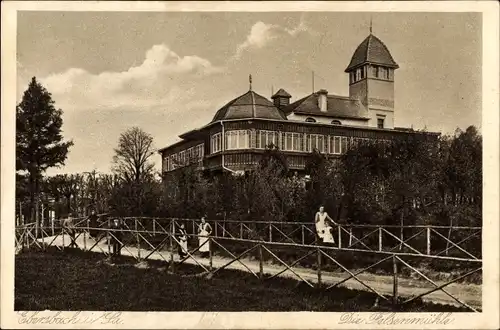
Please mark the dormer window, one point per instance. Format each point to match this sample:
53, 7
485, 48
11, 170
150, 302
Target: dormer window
336, 122
310, 120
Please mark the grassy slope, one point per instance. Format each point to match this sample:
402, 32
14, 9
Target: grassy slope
76, 280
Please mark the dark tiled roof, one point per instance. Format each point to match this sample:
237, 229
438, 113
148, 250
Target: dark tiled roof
337, 106
372, 50
249, 105
281, 92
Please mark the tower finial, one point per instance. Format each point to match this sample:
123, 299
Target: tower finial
371, 25
250, 81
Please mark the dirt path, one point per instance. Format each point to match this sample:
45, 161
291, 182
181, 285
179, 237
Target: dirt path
383, 284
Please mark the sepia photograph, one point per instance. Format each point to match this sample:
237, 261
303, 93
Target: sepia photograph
249, 161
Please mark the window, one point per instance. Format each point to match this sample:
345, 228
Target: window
336, 145
166, 163
294, 142
215, 143
343, 145
383, 73
199, 152
362, 72
316, 141
182, 158
266, 138
336, 122
380, 122
310, 120
237, 139
374, 71
358, 74
173, 162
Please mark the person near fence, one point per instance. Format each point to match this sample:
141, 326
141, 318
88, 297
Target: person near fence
116, 237
93, 224
204, 230
183, 238
69, 226
323, 226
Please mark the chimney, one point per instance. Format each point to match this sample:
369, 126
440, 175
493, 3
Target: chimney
322, 100
281, 98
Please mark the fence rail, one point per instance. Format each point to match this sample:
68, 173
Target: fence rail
456, 241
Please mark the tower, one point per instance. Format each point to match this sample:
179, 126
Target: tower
371, 80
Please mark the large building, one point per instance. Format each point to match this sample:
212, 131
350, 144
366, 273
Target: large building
242, 129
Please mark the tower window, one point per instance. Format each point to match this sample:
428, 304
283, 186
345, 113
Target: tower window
380, 122
310, 120
383, 73
336, 122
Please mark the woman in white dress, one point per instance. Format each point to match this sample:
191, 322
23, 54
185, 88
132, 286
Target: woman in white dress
204, 230
183, 246
323, 229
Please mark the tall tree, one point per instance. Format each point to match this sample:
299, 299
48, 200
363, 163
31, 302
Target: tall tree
132, 156
39, 140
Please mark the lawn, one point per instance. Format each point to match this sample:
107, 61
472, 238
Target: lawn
77, 280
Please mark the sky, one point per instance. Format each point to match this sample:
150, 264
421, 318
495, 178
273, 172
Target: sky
169, 72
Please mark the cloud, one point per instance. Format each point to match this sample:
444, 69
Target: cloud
262, 34
157, 80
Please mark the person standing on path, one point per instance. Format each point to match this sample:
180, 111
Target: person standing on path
93, 224
323, 228
204, 230
183, 247
116, 238
69, 227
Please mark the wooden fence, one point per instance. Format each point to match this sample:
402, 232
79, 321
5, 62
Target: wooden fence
290, 245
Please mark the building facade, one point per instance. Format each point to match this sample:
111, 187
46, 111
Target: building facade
241, 130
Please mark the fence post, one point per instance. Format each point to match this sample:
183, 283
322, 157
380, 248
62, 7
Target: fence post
171, 243
138, 241
154, 227
303, 235
340, 236
26, 237
36, 225
108, 237
428, 241
241, 230
395, 280
215, 229
210, 254
261, 263
43, 239
85, 231
380, 238
319, 266
270, 232
62, 236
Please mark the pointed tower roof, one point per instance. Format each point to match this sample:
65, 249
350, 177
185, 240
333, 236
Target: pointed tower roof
372, 50
281, 93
